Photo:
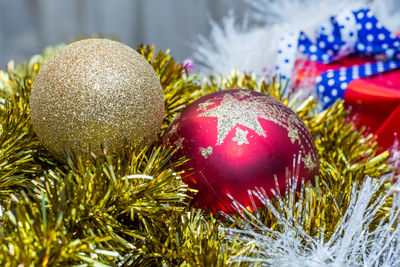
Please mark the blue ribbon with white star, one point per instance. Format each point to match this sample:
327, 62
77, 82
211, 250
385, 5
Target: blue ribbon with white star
344, 34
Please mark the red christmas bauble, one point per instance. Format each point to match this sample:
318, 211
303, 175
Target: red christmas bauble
237, 140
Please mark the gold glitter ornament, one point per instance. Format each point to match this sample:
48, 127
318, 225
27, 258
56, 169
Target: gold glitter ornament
93, 92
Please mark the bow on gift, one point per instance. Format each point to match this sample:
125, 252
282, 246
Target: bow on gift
347, 33
376, 100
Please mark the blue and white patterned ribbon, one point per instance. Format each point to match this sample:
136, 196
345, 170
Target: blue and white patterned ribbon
344, 34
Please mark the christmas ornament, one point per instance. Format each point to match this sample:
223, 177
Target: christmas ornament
238, 140
95, 92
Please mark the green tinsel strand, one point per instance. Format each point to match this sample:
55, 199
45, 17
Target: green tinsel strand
21, 155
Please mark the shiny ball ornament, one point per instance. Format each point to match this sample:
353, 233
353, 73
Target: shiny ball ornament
238, 140
95, 92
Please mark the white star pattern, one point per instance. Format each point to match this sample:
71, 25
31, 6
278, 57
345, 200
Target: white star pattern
203, 106
241, 137
242, 93
205, 152
232, 112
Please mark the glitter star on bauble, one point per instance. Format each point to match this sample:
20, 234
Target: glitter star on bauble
232, 112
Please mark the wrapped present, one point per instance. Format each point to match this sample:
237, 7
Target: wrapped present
374, 101
354, 57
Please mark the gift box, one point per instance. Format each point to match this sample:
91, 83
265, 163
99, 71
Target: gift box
354, 57
373, 101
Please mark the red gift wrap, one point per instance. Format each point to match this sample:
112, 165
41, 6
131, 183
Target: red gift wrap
374, 101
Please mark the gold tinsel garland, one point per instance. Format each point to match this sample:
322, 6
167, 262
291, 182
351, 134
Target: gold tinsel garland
133, 209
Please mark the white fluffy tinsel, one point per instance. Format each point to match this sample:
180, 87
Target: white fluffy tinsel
233, 46
253, 48
300, 14
352, 244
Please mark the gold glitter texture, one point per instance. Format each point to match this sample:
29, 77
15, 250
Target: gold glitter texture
179, 143
96, 90
309, 163
174, 128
